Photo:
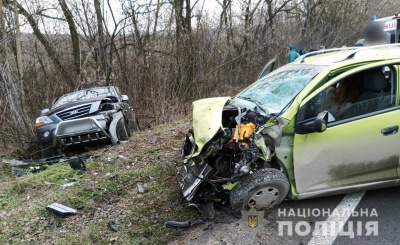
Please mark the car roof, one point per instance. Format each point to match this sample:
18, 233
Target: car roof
334, 58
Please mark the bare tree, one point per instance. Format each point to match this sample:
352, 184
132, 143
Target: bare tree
162, 53
46, 44
74, 35
100, 47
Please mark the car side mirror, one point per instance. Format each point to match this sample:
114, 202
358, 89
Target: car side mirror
125, 97
320, 122
313, 125
44, 112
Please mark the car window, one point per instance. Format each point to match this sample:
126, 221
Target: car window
353, 96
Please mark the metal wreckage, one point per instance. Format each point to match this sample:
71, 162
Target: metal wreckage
229, 148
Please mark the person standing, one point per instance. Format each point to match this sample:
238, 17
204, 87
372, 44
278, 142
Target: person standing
373, 35
293, 53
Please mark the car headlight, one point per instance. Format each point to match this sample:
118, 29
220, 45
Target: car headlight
40, 121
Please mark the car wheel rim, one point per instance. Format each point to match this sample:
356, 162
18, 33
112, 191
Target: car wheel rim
263, 198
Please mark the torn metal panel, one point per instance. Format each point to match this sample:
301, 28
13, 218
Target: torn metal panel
113, 127
226, 144
207, 115
273, 134
190, 178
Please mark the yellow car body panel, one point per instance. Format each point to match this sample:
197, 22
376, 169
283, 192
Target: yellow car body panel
207, 118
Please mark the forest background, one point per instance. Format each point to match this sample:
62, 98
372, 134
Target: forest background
163, 54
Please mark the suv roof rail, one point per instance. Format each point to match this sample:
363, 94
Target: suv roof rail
356, 50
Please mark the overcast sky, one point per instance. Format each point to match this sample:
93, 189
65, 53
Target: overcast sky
211, 7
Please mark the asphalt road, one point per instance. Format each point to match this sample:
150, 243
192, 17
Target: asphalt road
357, 218
374, 220
387, 205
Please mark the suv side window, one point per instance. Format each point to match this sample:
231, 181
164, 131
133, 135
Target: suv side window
356, 95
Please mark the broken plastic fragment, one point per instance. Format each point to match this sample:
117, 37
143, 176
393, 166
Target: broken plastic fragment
68, 184
77, 163
177, 224
141, 187
111, 225
60, 209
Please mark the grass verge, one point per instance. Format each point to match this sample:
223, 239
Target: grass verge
108, 191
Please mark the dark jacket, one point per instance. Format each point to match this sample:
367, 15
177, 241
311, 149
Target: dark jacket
293, 53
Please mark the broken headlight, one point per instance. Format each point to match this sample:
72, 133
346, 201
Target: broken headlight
40, 121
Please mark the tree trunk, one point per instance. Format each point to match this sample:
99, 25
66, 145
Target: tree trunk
74, 36
18, 42
101, 41
3, 33
46, 44
19, 88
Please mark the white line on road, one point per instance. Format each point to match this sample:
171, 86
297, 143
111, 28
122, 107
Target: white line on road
325, 234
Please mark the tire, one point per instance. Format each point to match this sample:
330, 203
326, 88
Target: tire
128, 130
122, 133
262, 190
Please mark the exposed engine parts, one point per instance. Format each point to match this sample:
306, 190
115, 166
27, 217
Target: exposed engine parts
237, 150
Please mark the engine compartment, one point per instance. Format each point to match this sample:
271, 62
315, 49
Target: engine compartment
242, 146
239, 154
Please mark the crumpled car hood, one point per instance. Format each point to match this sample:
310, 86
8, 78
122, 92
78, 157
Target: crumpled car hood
76, 103
207, 120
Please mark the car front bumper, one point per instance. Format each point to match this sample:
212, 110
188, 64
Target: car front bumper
73, 132
82, 130
45, 134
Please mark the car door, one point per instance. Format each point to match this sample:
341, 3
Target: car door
268, 68
357, 152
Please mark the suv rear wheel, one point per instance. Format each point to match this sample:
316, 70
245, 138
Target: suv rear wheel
261, 190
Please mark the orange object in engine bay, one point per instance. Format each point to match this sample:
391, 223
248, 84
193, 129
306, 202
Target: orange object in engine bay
246, 129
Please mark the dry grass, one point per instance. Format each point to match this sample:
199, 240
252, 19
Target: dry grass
106, 196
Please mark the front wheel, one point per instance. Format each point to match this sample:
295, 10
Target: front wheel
122, 132
261, 190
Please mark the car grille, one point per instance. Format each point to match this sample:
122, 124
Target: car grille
75, 112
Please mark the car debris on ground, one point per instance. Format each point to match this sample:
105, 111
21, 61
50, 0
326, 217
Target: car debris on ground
61, 209
111, 225
23, 167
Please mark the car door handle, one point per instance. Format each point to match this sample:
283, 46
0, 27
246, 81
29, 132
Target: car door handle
390, 130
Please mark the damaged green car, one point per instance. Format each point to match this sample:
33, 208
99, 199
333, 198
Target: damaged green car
325, 124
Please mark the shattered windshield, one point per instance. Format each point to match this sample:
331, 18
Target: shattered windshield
274, 91
85, 94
